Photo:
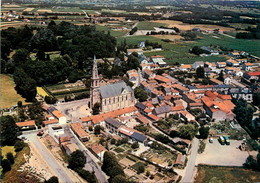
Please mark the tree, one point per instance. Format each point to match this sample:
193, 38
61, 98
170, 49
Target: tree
6, 165
204, 132
221, 76
25, 85
140, 169
19, 145
97, 129
189, 36
77, 160
200, 72
10, 157
188, 131
50, 99
116, 170
96, 109
119, 179
44, 40
132, 62
20, 56
53, 179
9, 130
90, 177
109, 162
251, 163
135, 145
140, 94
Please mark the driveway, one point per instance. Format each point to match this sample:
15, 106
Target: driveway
226, 155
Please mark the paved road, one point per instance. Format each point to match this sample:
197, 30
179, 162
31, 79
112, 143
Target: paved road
50, 160
188, 178
91, 164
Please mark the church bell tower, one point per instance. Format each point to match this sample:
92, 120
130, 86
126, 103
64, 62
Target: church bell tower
95, 88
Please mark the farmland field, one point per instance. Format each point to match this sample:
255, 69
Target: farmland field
179, 52
113, 33
148, 25
9, 96
225, 174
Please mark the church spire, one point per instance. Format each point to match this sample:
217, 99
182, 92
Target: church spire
95, 69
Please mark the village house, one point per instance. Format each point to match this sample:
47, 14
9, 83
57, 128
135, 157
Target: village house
112, 125
244, 93
218, 108
198, 64
26, 125
163, 111
186, 116
61, 117
50, 122
98, 150
221, 64
232, 63
69, 147
227, 80
234, 54
211, 65
247, 66
79, 130
131, 134
159, 60
180, 161
100, 118
184, 67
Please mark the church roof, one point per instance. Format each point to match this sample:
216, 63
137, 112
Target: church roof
113, 90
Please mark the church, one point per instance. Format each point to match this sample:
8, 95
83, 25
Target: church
112, 96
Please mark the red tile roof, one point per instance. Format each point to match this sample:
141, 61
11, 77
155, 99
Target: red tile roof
52, 121
26, 123
97, 148
254, 73
112, 114
79, 129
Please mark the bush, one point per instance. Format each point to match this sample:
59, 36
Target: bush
10, 157
6, 165
19, 145
119, 150
135, 145
90, 128
113, 141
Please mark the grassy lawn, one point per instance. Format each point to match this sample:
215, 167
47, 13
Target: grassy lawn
9, 96
13, 174
7, 149
225, 175
147, 25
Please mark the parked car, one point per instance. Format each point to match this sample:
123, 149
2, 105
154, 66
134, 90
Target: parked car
210, 140
227, 140
221, 140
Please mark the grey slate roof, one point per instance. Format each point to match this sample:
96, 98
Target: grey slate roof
140, 105
222, 86
113, 122
139, 137
162, 109
113, 90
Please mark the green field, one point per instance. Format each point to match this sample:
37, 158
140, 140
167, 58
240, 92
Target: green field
225, 175
113, 33
179, 52
147, 25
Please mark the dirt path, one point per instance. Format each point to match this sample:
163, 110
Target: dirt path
37, 165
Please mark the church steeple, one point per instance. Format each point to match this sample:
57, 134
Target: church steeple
94, 90
95, 69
